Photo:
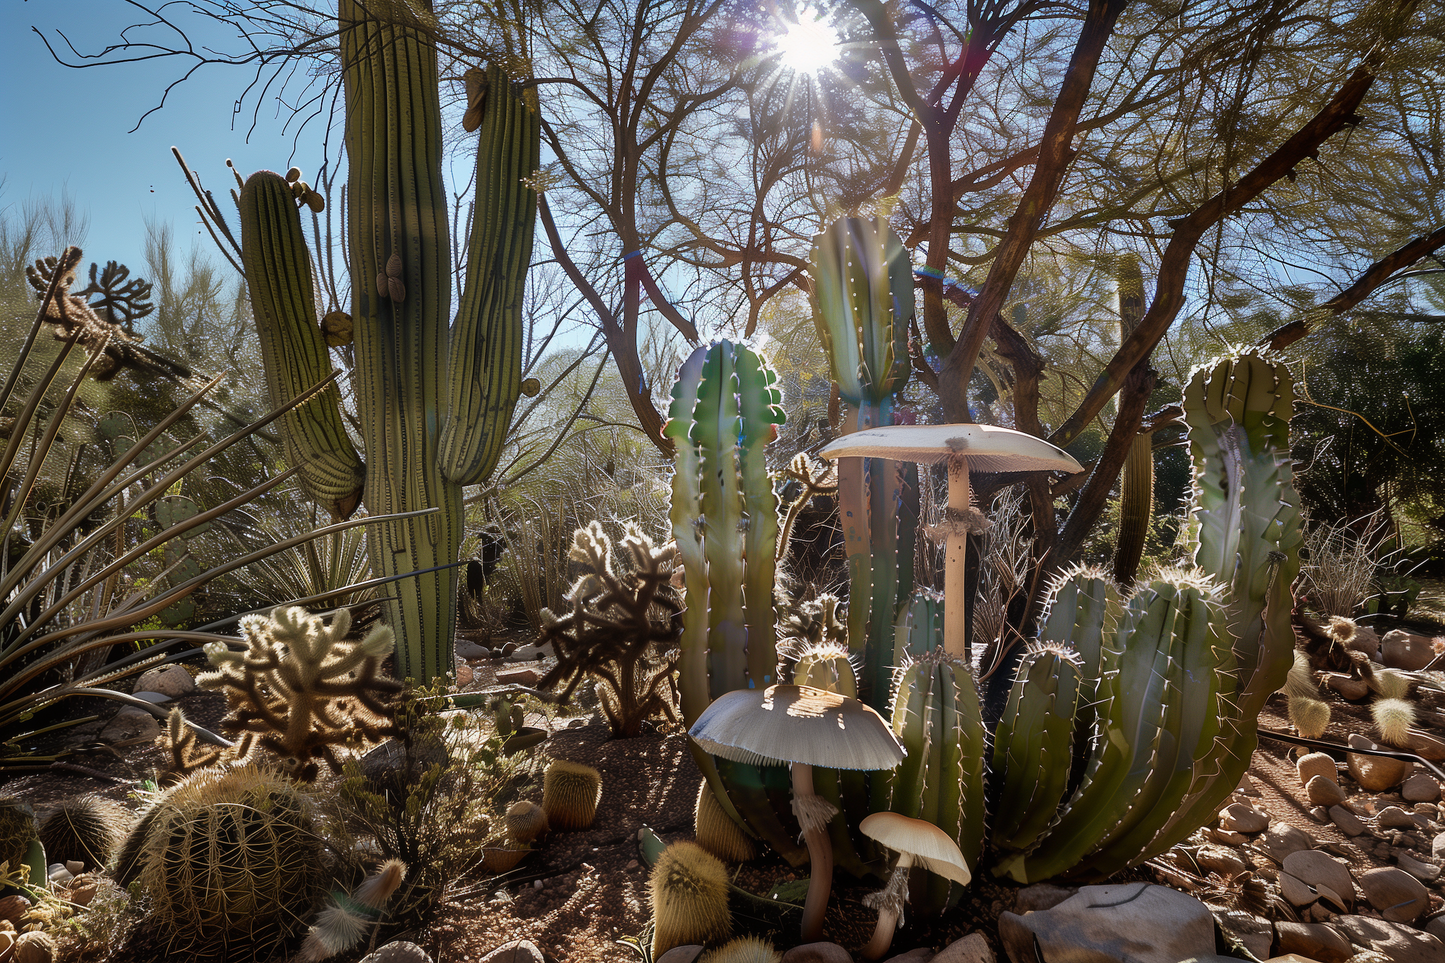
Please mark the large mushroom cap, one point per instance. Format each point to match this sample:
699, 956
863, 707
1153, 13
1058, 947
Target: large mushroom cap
929, 846
797, 723
986, 447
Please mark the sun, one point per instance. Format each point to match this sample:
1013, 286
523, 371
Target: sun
808, 45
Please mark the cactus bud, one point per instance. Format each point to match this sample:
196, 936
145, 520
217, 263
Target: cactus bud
395, 290
315, 201
531, 387
336, 329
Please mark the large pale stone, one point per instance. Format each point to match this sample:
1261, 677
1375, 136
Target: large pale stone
1317, 764
172, 681
1398, 896
1405, 650
131, 726
1242, 818
1324, 791
1321, 869
1138, 922
1375, 773
1315, 941
1395, 942
1421, 787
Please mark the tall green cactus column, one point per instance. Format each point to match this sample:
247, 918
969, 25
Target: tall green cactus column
434, 393
864, 300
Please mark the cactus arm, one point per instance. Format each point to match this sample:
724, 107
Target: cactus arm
278, 276
760, 409
687, 520
398, 209
485, 377
1033, 748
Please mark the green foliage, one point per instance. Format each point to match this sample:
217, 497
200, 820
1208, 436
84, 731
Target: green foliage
432, 808
621, 630
232, 862
302, 689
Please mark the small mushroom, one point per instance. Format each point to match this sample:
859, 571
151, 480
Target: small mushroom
804, 727
965, 448
917, 842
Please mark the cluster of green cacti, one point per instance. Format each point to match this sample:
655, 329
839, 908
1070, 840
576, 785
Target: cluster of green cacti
435, 392
231, 860
725, 410
84, 828
301, 688
570, 794
1127, 729
621, 630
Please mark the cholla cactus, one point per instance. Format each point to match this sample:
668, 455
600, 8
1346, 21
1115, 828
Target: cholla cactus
622, 629
301, 689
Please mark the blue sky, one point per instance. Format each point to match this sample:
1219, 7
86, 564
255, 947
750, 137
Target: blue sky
71, 130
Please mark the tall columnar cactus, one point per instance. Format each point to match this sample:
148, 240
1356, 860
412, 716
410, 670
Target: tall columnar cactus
864, 300
435, 393
1136, 484
724, 412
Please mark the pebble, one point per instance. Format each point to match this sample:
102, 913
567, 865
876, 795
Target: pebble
131, 726
1347, 686
1240, 818
973, 948
1324, 791
1375, 773
1437, 847
58, 874
1423, 871
1293, 889
1405, 650
464, 674
1347, 822
1283, 839
1421, 787
1398, 896
821, 952
1316, 764
469, 650
1040, 896
681, 954
1315, 941
1396, 943
399, 952
1226, 836
523, 677
1218, 859
1393, 817
1318, 869
170, 681
921, 954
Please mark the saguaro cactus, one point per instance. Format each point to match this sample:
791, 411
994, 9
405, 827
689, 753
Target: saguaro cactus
434, 393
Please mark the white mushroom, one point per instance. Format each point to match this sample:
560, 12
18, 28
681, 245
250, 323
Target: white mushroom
917, 842
966, 448
804, 727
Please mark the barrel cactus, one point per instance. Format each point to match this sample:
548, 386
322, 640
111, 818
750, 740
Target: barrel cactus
232, 862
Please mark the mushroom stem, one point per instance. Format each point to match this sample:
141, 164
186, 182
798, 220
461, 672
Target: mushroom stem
806, 806
955, 594
890, 902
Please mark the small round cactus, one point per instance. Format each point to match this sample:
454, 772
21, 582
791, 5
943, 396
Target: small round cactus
716, 832
525, 822
689, 898
570, 793
84, 828
1310, 717
744, 949
1393, 719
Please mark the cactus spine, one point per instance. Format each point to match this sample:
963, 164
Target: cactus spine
724, 411
864, 300
434, 400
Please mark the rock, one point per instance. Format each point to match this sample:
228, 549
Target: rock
920, 954
524, 677
1041, 896
1254, 933
131, 726
1218, 859
1423, 871
973, 948
1320, 869
1375, 773
1426, 746
171, 681
469, 650
1398, 896
1437, 847
1436, 927
1241, 818
1393, 817
154, 698
823, 952
399, 952
681, 954
1226, 836
1317, 764
1366, 641
1295, 890
1283, 839
35, 946
13, 909
1317, 941
1347, 686
1347, 822
464, 673
1140, 922
1405, 650
519, 951
1397, 943
1324, 791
